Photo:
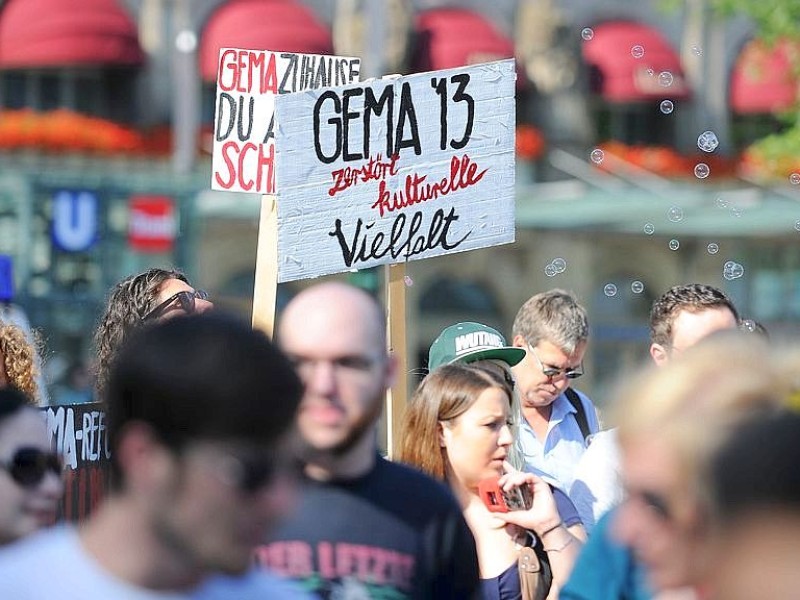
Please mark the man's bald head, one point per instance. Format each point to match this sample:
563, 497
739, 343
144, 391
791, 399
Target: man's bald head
335, 301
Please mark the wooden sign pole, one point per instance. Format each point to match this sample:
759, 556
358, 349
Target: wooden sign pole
266, 283
397, 395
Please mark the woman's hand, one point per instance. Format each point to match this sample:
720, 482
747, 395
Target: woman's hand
543, 513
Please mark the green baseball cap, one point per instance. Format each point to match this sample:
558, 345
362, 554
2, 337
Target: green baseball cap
468, 342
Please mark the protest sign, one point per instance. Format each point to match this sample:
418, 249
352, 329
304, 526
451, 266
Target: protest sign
78, 433
244, 126
395, 170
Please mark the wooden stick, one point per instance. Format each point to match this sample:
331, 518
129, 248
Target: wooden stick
266, 283
397, 395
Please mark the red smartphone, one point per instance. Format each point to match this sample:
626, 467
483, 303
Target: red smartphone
498, 500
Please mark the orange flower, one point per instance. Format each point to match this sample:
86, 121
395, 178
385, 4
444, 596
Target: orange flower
529, 142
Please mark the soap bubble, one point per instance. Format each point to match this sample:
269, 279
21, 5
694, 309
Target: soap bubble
408, 281
674, 244
749, 325
701, 170
797, 225
707, 141
637, 287
587, 33
722, 203
732, 270
649, 228
610, 290
637, 51
651, 72
675, 214
667, 106
665, 79
550, 270
794, 178
697, 50
559, 264
712, 248
735, 212
597, 156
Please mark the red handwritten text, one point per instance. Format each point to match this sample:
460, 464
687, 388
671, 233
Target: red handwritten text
463, 174
375, 169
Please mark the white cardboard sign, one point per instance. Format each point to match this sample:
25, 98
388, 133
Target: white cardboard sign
243, 155
395, 170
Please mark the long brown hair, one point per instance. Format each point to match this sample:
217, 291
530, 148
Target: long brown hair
445, 394
128, 303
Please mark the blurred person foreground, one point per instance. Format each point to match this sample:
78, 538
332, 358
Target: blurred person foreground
756, 485
30, 473
199, 473
672, 421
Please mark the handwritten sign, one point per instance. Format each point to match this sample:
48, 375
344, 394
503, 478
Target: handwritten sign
396, 170
78, 433
244, 129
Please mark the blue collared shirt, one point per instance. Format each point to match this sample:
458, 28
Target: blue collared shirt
556, 459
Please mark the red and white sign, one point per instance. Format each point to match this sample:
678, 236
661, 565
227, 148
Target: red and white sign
152, 224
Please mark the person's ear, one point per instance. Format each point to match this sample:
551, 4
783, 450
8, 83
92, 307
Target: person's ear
443, 433
142, 458
659, 354
519, 341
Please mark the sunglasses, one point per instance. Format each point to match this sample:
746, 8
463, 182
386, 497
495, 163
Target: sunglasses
28, 466
186, 299
551, 372
655, 502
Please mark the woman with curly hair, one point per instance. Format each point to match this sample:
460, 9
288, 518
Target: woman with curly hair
148, 297
19, 362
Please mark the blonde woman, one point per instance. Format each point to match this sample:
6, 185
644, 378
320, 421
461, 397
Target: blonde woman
18, 362
671, 421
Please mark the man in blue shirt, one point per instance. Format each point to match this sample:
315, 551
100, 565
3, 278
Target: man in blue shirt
553, 330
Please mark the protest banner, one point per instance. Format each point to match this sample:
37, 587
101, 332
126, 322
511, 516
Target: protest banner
78, 433
243, 155
395, 170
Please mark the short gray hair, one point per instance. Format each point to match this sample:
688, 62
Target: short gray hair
554, 316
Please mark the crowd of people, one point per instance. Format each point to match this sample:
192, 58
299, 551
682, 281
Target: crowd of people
243, 467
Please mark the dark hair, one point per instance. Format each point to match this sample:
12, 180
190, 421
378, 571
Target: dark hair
203, 377
757, 468
12, 401
693, 297
129, 301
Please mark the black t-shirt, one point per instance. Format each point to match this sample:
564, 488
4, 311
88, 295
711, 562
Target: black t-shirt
393, 533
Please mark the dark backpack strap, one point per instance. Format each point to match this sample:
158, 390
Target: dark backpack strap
580, 415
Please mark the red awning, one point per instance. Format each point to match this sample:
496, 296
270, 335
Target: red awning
281, 25
762, 79
455, 37
56, 33
619, 76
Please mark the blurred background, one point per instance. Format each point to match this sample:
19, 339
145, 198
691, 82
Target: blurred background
657, 143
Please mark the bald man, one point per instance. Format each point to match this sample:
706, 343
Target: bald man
365, 527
